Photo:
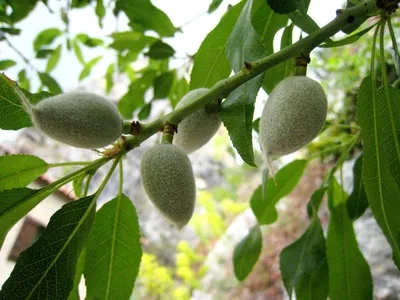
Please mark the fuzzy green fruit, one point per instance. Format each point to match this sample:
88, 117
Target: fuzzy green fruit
292, 117
168, 180
79, 119
198, 128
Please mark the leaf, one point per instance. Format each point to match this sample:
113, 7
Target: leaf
267, 23
304, 266
78, 52
283, 6
131, 40
23, 81
6, 63
45, 37
348, 40
21, 9
77, 185
214, 5
144, 14
256, 125
243, 45
54, 59
179, 89
109, 78
144, 112
210, 63
315, 201
11, 30
246, 253
13, 114
286, 178
48, 266
303, 21
112, 263
357, 203
134, 98
381, 188
50, 82
349, 274
279, 72
100, 11
80, 266
17, 171
162, 84
44, 53
160, 50
88, 67
14, 205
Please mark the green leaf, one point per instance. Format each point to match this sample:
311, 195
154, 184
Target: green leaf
179, 89
286, 178
48, 266
144, 112
13, 114
283, 6
100, 11
18, 170
112, 263
243, 45
348, 40
77, 185
144, 14
304, 266
88, 41
357, 203
88, 67
80, 266
381, 188
50, 82
11, 30
131, 40
315, 201
23, 81
134, 98
21, 9
6, 63
14, 205
109, 77
44, 53
160, 50
54, 59
214, 5
162, 84
349, 274
279, 72
78, 52
246, 253
210, 63
46, 37
256, 125
267, 23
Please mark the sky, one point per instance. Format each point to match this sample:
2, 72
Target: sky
189, 12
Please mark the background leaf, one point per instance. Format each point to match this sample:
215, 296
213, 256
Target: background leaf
304, 266
6, 63
41, 269
283, 6
286, 178
88, 67
380, 186
349, 274
162, 84
214, 5
46, 37
160, 50
17, 171
146, 15
210, 63
50, 82
357, 203
237, 110
112, 263
247, 252
315, 201
54, 59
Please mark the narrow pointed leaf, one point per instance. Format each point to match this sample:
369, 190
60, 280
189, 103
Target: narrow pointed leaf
357, 203
54, 59
210, 63
304, 266
16, 171
237, 110
349, 273
286, 178
381, 188
41, 270
112, 263
315, 201
80, 266
247, 252
46, 37
50, 82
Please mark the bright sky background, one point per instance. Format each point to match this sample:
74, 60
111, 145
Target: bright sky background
84, 20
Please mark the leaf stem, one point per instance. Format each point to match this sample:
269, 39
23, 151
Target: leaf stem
121, 178
71, 163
